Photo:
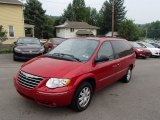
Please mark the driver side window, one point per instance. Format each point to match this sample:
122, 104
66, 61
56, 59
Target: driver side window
106, 50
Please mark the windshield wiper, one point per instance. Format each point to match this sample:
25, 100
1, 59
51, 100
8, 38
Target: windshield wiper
62, 56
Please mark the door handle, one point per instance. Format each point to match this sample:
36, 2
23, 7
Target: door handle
117, 65
114, 66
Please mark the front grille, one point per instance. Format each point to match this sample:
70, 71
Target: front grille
28, 80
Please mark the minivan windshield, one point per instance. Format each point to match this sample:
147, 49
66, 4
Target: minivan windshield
74, 50
28, 41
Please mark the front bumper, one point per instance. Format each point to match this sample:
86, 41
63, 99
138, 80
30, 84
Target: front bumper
41, 96
157, 54
26, 56
144, 54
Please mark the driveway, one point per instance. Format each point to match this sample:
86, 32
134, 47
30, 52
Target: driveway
138, 100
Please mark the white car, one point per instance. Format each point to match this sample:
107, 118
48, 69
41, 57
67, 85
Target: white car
155, 51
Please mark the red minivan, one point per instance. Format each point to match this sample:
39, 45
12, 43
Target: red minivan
72, 72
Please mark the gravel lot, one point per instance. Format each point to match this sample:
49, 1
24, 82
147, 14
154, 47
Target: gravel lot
138, 100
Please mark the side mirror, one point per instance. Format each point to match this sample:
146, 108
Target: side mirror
101, 59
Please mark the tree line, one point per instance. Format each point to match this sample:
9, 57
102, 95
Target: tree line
78, 11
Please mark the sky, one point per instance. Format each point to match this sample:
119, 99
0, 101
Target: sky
141, 11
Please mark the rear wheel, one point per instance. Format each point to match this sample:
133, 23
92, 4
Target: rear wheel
128, 76
82, 97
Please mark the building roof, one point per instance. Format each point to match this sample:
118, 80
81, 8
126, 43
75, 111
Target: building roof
28, 26
78, 25
84, 32
14, 2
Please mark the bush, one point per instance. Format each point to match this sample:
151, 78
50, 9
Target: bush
3, 34
6, 50
129, 30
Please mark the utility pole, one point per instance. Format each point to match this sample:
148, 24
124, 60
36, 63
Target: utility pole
113, 14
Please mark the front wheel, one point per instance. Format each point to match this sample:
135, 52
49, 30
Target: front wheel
14, 57
128, 76
82, 97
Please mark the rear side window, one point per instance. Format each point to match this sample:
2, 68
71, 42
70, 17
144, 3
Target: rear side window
106, 50
121, 48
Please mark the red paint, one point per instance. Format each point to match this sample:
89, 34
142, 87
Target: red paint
103, 74
143, 53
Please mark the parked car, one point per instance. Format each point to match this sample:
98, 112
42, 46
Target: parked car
140, 51
156, 45
154, 51
72, 72
26, 48
52, 43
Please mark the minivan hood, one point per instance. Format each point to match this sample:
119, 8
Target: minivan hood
48, 67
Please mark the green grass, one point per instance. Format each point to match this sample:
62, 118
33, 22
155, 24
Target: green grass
6, 50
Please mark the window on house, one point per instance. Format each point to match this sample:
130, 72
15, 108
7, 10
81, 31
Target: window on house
72, 29
11, 31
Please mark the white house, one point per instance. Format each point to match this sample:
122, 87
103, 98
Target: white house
109, 34
71, 29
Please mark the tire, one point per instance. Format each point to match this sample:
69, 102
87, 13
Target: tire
128, 76
85, 92
14, 57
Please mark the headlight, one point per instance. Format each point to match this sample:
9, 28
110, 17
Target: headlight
17, 50
55, 83
139, 50
42, 50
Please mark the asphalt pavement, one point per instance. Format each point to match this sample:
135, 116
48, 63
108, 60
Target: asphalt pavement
138, 100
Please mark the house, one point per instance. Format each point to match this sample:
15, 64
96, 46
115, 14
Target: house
72, 29
12, 18
109, 34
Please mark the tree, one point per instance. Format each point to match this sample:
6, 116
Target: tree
92, 16
150, 30
68, 14
106, 15
154, 30
48, 31
35, 15
128, 30
76, 11
3, 34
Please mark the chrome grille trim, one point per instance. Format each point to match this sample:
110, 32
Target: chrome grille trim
28, 80
22, 76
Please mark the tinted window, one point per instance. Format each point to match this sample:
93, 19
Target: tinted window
106, 50
155, 45
122, 48
149, 45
